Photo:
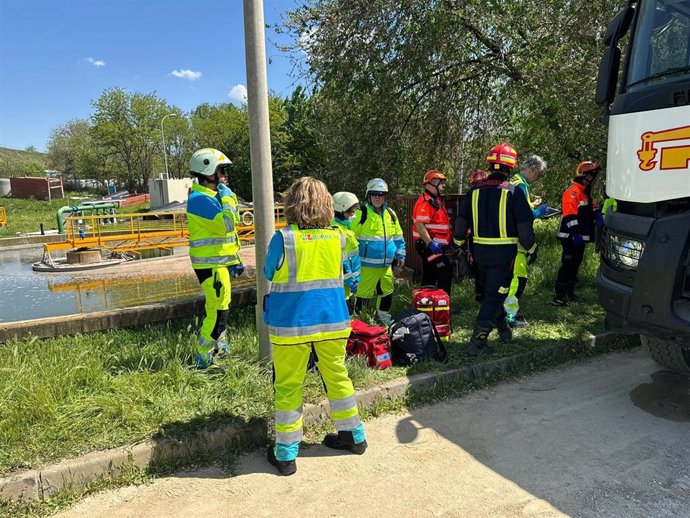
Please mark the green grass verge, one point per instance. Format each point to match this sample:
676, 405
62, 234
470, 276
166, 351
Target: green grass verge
27, 215
65, 396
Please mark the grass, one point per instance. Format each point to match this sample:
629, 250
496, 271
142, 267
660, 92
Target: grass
26, 215
65, 396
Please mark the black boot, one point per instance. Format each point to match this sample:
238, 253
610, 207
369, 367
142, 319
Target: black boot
344, 440
478, 343
285, 467
561, 297
570, 296
505, 333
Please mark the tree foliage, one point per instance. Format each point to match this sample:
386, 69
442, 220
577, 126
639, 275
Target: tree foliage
403, 86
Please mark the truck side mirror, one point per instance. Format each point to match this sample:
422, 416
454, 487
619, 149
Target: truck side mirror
619, 26
607, 77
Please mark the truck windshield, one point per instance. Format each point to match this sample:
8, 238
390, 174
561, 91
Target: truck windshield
660, 44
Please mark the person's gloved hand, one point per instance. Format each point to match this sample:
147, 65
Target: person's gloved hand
578, 240
236, 270
224, 190
541, 210
599, 219
434, 248
353, 288
533, 256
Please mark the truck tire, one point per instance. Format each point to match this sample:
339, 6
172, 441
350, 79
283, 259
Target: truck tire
668, 354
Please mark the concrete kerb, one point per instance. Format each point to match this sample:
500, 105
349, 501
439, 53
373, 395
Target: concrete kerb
115, 318
41, 483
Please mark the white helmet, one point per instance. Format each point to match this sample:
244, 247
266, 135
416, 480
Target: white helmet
205, 161
342, 201
377, 185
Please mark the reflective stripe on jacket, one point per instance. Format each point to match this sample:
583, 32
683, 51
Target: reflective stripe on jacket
577, 216
213, 239
380, 237
352, 264
307, 301
430, 211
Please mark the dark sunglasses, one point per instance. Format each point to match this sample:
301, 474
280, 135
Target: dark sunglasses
377, 193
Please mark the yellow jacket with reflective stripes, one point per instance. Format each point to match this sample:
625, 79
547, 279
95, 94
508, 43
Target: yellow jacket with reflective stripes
213, 240
307, 299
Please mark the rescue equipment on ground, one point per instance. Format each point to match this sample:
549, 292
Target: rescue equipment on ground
435, 302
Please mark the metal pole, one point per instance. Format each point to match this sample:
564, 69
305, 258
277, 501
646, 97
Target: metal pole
260, 150
165, 154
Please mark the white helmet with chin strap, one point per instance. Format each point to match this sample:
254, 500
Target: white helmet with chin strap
342, 201
206, 161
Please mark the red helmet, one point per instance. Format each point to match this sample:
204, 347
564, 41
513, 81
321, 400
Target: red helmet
587, 169
434, 175
478, 176
503, 154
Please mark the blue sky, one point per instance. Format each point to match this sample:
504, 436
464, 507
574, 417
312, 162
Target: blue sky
56, 56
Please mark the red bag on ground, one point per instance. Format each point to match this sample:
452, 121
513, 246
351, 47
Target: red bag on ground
435, 302
372, 342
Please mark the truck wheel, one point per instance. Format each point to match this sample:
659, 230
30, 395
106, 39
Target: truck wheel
668, 354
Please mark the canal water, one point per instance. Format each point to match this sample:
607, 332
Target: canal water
25, 294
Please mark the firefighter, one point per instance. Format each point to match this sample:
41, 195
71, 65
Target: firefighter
477, 177
213, 246
306, 313
500, 218
432, 232
344, 206
579, 218
381, 247
530, 171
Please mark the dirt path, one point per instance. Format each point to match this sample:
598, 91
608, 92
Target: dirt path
586, 440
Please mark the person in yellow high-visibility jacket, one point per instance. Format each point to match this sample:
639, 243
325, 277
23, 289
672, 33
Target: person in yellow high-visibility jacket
344, 205
381, 247
531, 170
306, 313
213, 246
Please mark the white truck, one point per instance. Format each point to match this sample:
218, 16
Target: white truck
644, 274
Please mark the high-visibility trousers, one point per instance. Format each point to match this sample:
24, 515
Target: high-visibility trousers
375, 281
517, 286
289, 369
215, 282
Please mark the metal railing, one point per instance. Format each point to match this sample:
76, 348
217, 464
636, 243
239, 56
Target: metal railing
130, 233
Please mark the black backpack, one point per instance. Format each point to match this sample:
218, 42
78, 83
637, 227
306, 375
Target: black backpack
414, 339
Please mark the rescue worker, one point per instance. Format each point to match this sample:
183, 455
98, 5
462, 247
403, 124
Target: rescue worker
500, 218
530, 171
579, 218
381, 246
306, 313
344, 206
213, 246
432, 232
477, 177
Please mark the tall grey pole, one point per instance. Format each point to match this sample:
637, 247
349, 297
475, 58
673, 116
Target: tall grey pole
165, 154
260, 150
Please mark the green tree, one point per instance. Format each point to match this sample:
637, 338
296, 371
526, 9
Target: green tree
73, 151
127, 127
403, 86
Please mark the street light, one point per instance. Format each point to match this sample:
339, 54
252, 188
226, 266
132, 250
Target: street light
165, 154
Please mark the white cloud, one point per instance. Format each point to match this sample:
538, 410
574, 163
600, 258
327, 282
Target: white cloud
96, 62
238, 94
186, 74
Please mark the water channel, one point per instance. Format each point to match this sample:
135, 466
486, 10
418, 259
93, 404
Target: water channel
25, 294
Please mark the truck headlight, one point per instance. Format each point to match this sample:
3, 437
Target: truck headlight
629, 253
622, 251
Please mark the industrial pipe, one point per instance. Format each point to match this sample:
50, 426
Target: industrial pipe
79, 208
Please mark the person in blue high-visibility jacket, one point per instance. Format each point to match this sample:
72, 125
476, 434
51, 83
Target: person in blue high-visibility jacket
213, 246
306, 314
381, 247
